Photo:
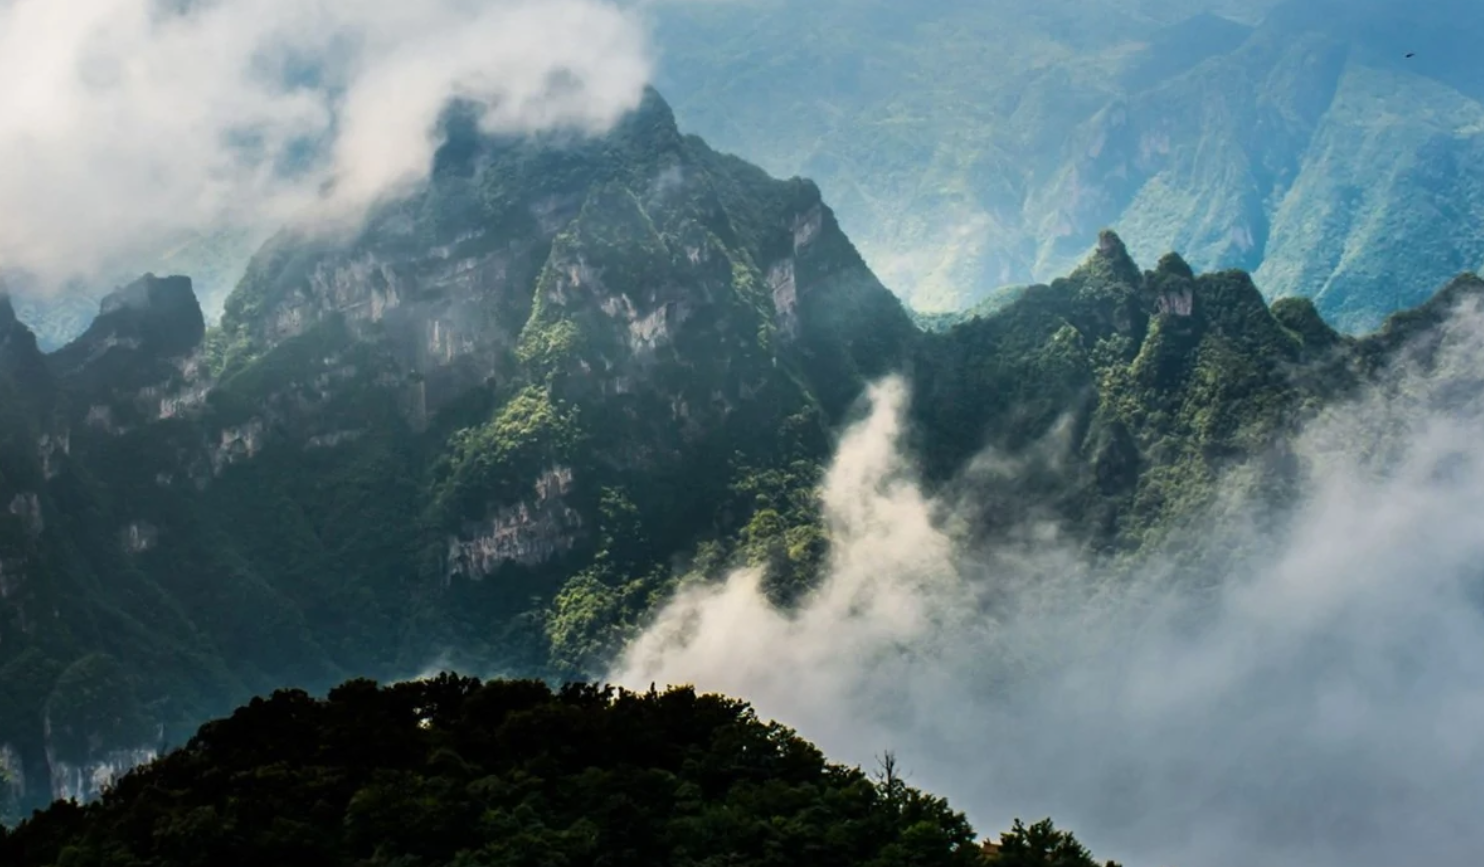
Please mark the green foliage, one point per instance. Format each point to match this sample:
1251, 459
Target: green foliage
497, 462
785, 535
1042, 845
548, 346
1125, 395
589, 621
454, 771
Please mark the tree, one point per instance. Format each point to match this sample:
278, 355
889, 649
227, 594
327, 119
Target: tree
1042, 845
889, 781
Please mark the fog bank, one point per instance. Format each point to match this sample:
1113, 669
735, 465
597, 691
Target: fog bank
127, 126
1324, 705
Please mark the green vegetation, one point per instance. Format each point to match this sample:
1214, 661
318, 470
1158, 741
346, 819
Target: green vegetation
506, 422
502, 469
452, 771
1040, 844
488, 464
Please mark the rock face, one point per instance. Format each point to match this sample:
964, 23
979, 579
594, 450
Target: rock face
153, 318
12, 782
529, 533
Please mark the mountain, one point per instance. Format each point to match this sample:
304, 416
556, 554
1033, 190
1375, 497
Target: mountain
495, 428
454, 771
214, 260
974, 145
562, 364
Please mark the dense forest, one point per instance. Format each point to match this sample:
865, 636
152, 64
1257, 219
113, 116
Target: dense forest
452, 772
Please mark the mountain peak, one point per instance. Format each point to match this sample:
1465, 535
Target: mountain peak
1174, 264
650, 129
151, 293
1110, 261
13, 331
157, 317
653, 105
21, 361
160, 311
1299, 315
1110, 245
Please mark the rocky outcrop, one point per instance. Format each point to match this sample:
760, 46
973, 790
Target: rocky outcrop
12, 783
153, 317
27, 507
10, 578
1179, 302
24, 377
528, 533
785, 290
237, 443
138, 537
86, 781
52, 449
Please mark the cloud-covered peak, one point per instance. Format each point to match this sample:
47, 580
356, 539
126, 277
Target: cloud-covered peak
126, 123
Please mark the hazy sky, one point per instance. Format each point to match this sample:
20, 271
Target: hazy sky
1324, 707
125, 122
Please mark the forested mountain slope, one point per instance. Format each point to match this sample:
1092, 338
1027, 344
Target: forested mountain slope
494, 428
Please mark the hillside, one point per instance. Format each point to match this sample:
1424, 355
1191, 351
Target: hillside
496, 428
972, 145
454, 771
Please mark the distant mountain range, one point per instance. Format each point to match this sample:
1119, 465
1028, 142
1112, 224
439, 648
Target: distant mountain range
973, 144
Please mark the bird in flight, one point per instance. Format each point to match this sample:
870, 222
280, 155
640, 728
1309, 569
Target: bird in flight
1411, 54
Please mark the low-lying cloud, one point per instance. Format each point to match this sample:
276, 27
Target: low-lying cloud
1323, 706
126, 124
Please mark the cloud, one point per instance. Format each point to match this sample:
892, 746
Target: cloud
127, 123
1324, 705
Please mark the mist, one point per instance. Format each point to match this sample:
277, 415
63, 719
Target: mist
127, 125
1318, 701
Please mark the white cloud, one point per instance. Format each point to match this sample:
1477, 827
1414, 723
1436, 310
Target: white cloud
124, 124
1324, 706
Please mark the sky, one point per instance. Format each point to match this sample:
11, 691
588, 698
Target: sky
1322, 705
126, 123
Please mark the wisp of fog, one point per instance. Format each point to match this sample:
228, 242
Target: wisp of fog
1323, 705
125, 123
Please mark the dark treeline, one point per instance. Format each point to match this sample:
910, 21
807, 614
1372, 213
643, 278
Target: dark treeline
453, 772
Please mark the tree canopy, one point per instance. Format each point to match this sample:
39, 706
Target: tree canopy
455, 772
